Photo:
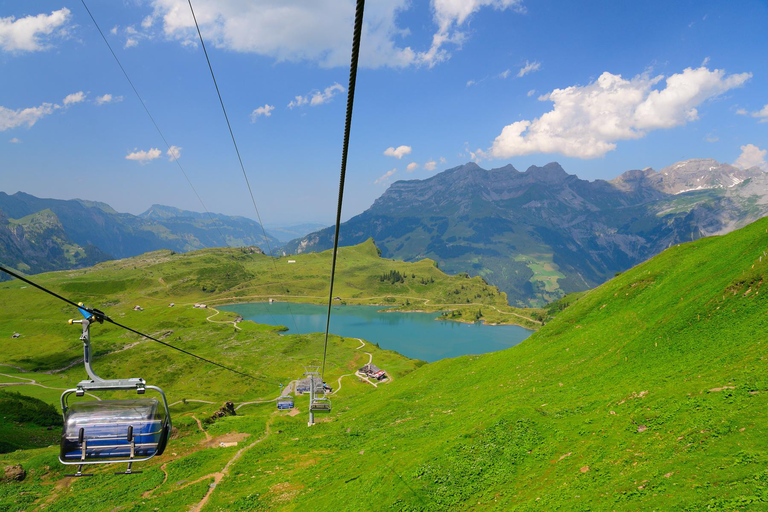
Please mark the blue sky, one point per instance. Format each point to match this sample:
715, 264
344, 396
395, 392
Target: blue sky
599, 86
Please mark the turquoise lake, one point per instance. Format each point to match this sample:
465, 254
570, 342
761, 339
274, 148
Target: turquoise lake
414, 335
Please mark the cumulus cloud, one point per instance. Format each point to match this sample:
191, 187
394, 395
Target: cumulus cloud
107, 98
174, 153
27, 34
505, 74
319, 30
15, 141
398, 152
13, 118
385, 176
529, 67
752, 156
742, 112
315, 98
587, 121
75, 97
130, 43
147, 22
531, 93
10, 118
442, 159
265, 111
144, 157
762, 114
430, 166
412, 167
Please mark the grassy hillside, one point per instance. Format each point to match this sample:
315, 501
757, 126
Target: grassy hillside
647, 393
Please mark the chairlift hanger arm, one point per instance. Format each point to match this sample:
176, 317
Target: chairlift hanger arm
93, 314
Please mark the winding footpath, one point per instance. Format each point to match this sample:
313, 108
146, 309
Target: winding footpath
33, 382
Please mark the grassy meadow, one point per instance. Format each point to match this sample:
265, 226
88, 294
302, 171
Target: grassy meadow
646, 393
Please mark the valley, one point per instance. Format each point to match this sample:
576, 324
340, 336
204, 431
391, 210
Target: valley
646, 392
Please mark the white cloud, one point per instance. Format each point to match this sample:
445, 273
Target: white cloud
174, 153
316, 97
531, 93
398, 152
265, 111
13, 118
752, 156
144, 157
147, 22
319, 30
587, 121
412, 167
385, 176
75, 97
15, 141
130, 43
505, 74
28, 116
711, 137
529, 67
25, 34
108, 98
742, 112
762, 114
113, 31
430, 166
470, 83
442, 160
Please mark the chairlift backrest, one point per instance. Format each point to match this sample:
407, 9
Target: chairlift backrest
96, 431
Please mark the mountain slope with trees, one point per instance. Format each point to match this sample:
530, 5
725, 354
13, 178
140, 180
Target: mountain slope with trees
542, 233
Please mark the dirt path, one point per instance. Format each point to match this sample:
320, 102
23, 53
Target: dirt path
219, 476
221, 321
33, 382
191, 400
370, 359
200, 426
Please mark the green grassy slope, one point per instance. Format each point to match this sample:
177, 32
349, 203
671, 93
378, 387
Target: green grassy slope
647, 393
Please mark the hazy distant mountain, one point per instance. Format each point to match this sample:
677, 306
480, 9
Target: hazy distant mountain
38, 243
541, 233
100, 233
293, 231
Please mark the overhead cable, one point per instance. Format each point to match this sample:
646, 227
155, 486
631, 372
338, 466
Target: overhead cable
239, 158
171, 152
345, 150
101, 316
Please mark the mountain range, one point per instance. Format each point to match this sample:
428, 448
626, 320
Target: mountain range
543, 233
38, 235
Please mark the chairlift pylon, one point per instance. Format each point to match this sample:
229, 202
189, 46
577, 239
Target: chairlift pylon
111, 431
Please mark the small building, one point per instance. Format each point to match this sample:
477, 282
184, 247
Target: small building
200, 306
138, 308
171, 304
373, 371
16, 335
291, 261
285, 403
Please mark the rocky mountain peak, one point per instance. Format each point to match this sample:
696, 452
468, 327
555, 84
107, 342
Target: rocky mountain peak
551, 173
685, 176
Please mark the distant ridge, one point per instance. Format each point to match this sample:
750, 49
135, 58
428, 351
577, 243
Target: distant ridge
542, 233
76, 233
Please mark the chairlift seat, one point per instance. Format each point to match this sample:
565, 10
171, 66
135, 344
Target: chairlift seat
320, 404
113, 430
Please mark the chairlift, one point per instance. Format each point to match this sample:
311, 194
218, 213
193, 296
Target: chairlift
320, 404
111, 431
